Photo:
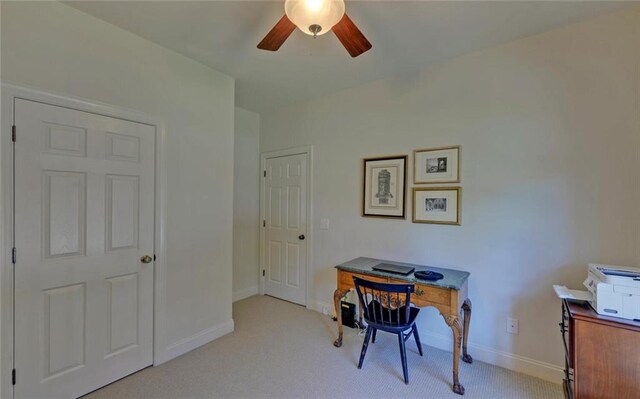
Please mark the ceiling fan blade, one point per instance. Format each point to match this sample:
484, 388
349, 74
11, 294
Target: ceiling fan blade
277, 35
351, 37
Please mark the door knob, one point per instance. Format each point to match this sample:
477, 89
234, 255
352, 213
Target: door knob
146, 259
301, 236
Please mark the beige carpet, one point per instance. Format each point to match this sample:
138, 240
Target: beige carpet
281, 350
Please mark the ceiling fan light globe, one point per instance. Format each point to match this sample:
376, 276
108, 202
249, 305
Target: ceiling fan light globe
306, 13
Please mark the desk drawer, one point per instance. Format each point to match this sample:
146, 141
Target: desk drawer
427, 294
345, 279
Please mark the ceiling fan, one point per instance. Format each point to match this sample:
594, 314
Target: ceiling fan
316, 17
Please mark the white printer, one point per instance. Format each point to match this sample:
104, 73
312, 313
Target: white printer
615, 289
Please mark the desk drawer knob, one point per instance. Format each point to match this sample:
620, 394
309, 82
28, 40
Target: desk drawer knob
419, 292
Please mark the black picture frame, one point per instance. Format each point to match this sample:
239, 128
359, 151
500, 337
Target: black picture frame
390, 175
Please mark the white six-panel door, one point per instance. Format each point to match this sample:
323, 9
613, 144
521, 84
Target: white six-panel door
285, 244
84, 218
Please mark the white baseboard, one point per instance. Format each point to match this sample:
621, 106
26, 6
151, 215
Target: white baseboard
546, 371
190, 343
245, 293
320, 306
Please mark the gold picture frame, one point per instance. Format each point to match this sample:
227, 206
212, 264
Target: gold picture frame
390, 175
442, 205
437, 165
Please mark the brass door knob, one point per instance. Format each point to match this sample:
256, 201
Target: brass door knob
146, 259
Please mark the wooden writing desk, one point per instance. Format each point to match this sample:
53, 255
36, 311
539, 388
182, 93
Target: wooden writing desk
448, 295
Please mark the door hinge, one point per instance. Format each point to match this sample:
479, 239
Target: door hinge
13, 133
14, 255
264, 223
264, 172
263, 272
13, 377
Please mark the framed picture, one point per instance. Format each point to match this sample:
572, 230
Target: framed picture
436, 165
439, 205
383, 187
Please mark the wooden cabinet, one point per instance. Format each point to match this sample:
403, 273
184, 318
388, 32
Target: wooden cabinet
602, 354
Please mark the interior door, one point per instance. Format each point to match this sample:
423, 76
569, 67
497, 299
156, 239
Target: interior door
285, 228
84, 220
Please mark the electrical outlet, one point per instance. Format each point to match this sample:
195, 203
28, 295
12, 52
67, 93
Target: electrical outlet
512, 326
324, 224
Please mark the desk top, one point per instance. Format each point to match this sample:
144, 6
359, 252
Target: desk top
453, 279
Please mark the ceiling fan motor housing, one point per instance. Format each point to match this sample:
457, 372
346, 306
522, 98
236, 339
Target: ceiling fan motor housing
315, 29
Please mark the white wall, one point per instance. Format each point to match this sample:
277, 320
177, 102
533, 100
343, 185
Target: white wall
246, 204
53, 47
550, 133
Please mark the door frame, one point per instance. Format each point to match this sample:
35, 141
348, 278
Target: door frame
308, 150
9, 93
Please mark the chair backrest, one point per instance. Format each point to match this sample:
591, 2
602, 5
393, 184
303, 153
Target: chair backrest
383, 303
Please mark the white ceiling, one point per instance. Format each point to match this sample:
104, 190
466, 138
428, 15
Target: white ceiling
406, 36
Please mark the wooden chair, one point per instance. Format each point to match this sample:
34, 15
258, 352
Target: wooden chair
386, 307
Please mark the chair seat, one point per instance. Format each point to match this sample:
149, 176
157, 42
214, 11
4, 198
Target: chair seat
384, 317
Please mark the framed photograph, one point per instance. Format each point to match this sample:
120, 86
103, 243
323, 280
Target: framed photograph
439, 205
436, 165
383, 187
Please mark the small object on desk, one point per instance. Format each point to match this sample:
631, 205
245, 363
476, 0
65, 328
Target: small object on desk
391, 268
428, 275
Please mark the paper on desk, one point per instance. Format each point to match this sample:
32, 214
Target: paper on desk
564, 293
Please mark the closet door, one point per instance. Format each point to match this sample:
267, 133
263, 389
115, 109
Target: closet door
84, 223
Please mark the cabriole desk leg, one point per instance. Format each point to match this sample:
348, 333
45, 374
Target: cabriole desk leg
453, 321
337, 296
466, 307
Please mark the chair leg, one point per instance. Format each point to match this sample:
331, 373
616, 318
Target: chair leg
417, 337
373, 338
403, 356
365, 344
